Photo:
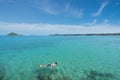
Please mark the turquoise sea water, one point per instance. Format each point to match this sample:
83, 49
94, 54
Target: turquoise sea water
78, 57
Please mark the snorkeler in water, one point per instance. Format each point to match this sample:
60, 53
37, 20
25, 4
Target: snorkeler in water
48, 65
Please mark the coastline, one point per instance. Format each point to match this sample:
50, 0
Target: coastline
99, 34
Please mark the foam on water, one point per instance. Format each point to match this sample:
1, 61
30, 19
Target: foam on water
77, 57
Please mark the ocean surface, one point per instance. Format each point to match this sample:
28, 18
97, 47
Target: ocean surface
78, 57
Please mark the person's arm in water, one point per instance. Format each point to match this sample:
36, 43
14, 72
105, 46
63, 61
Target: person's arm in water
42, 65
49, 65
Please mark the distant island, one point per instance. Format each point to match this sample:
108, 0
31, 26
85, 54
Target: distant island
14, 34
94, 34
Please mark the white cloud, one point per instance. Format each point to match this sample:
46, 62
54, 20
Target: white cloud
67, 7
49, 10
50, 7
91, 23
103, 5
55, 9
46, 6
40, 29
73, 11
77, 13
105, 21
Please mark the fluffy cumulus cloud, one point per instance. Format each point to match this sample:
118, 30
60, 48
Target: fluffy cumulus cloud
45, 29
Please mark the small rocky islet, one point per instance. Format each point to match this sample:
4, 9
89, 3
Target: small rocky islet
14, 34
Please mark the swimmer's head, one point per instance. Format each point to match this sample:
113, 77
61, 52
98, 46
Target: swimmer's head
56, 63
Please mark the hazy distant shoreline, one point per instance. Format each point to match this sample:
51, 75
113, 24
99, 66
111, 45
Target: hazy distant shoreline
94, 34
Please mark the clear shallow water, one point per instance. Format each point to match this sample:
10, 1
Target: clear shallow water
78, 57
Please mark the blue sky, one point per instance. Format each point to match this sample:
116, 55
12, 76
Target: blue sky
37, 17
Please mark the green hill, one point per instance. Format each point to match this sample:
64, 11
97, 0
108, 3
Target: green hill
14, 34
